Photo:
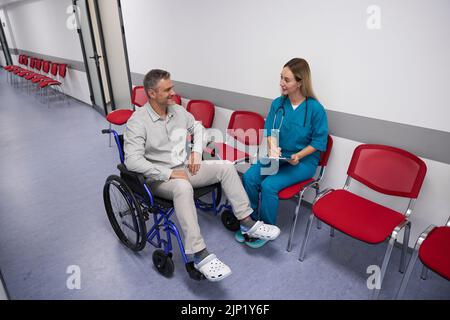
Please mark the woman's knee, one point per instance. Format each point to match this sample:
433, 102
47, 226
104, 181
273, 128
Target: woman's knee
268, 187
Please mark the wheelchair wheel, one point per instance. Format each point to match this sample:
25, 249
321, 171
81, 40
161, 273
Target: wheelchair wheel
230, 221
124, 213
163, 263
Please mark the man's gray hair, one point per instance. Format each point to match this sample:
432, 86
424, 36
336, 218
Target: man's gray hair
152, 78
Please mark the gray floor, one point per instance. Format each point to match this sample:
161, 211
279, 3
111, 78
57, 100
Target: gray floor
53, 164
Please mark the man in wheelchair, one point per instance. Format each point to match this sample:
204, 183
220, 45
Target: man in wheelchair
155, 145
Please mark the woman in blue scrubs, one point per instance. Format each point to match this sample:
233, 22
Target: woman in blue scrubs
296, 128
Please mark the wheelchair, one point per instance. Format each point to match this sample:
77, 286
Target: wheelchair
130, 204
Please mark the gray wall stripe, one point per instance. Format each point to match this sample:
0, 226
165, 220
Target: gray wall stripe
423, 142
73, 64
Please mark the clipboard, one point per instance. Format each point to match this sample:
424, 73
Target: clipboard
267, 159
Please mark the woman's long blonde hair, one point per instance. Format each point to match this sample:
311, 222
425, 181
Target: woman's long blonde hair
300, 68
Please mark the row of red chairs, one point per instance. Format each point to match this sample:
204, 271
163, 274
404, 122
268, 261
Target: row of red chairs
42, 73
385, 169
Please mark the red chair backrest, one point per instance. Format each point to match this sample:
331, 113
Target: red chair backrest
20, 59
138, 96
324, 156
25, 60
246, 127
388, 170
202, 110
46, 66
54, 69
38, 64
62, 70
177, 99
32, 62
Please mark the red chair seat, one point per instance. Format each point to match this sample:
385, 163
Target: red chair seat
119, 117
435, 251
18, 70
356, 216
30, 76
289, 192
39, 79
47, 83
226, 152
24, 73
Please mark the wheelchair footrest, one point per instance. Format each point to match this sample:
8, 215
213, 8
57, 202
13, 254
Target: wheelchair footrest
194, 273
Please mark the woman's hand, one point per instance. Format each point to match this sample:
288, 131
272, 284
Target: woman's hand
295, 159
274, 152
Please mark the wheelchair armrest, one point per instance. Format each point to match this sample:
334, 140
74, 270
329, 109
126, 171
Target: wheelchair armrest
139, 176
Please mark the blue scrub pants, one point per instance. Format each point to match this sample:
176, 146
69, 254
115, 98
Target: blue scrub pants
269, 185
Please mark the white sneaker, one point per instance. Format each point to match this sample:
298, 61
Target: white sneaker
264, 231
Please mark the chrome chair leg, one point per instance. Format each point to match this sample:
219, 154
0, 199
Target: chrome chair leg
407, 275
294, 222
387, 256
305, 240
405, 247
110, 135
319, 224
424, 273
332, 232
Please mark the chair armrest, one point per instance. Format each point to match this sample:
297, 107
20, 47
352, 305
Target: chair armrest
423, 236
322, 194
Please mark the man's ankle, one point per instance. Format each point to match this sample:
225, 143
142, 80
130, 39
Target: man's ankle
247, 223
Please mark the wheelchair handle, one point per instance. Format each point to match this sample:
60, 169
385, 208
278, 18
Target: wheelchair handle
106, 131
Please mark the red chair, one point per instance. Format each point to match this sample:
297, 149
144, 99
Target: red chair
138, 96
385, 169
433, 249
120, 116
296, 191
59, 71
245, 127
177, 99
202, 110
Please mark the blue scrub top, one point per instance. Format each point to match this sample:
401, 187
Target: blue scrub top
294, 135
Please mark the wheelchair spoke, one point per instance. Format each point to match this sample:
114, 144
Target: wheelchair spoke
124, 215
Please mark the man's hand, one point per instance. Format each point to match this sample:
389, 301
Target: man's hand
195, 159
179, 174
295, 159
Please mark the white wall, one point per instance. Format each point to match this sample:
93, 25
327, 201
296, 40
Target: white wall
41, 27
394, 73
